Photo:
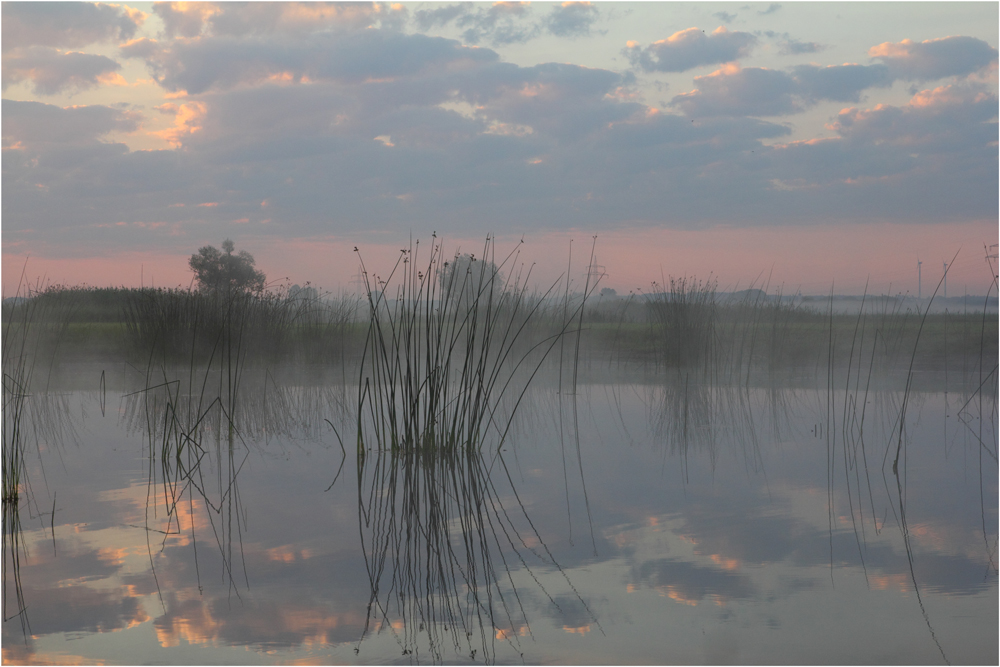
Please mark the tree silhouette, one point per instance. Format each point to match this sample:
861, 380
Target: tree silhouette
225, 272
467, 278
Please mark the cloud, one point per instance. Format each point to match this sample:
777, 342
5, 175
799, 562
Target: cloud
788, 46
772, 8
66, 25
757, 91
948, 118
571, 19
187, 121
500, 23
934, 58
185, 19
725, 17
690, 583
478, 144
37, 123
793, 47
505, 23
223, 62
52, 72
839, 83
691, 48
564, 102
733, 91
440, 16
191, 19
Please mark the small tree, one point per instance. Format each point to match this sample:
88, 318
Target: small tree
222, 271
469, 278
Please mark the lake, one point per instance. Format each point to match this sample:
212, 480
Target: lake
649, 517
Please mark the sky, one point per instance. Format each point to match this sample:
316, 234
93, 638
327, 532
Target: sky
799, 146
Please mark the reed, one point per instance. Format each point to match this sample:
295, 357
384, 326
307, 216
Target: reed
18, 364
440, 356
684, 316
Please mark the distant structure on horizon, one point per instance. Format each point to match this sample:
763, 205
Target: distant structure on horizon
919, 293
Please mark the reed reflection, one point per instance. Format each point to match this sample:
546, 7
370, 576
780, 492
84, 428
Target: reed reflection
42, 421
448, 543
195, 454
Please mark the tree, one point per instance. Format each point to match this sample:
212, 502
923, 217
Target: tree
469, 278
222, 271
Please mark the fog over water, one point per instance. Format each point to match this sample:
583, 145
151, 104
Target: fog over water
562, 333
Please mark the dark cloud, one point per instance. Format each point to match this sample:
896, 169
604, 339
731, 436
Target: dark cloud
756, 91
78, 609
948, 118
771, 8
52, 72
840, 83
36, 123
788, 46
793, 47
725, 17
691, 48
571, 19
691, 583
67, 25
223, 62
563, 100
934, 58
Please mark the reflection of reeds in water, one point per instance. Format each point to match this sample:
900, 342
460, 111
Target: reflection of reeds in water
185, 410
27, 417
690, 416
861, 402
443, 547
195, 454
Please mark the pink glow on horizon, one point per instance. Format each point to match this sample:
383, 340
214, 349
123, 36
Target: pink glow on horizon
796, 258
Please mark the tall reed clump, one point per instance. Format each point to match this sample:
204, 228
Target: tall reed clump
442, 353
18, 362
684, 319
16, 378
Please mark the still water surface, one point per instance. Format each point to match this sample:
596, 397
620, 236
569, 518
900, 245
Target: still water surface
633, 522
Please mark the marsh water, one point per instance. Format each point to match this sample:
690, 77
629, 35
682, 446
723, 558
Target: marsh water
644, 518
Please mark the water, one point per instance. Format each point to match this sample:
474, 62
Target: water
635, 522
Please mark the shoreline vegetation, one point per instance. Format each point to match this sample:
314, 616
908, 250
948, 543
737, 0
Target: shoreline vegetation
686, 325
